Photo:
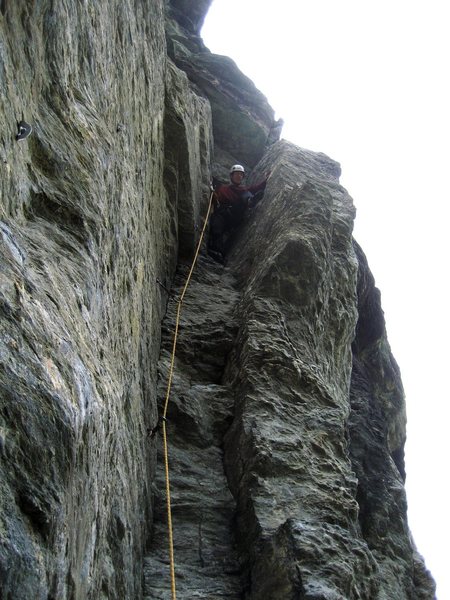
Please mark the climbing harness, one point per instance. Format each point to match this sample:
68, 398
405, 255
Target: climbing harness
163, 419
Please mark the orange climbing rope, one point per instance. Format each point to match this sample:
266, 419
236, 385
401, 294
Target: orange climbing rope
166, 402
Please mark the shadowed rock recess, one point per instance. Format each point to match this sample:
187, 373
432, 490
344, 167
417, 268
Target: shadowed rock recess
286, 424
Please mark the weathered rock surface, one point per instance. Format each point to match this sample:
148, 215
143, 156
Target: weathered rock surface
243, 121
92, 204
377, 424
200, 413
312, 415
287, 420
293, 455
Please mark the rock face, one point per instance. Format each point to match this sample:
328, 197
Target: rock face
243, 121
199, 416
287, 419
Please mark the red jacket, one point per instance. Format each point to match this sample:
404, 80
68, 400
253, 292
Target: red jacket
230, 194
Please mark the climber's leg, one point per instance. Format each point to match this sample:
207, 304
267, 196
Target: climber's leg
217, 228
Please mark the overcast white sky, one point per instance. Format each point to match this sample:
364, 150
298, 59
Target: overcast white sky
367, 84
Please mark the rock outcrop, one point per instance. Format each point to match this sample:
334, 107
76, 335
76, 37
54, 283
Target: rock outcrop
243, 121
287, 419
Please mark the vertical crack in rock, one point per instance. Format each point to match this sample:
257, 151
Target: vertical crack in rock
200, 411
286, 448
243, 120
267, 376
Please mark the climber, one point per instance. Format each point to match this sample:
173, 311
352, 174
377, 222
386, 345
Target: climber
232, 201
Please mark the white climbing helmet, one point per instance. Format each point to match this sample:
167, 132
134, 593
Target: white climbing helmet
238, 168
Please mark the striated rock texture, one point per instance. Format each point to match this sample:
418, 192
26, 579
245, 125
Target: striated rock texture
243, 121
93, 204
287, 419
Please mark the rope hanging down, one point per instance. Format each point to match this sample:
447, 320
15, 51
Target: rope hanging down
166, 401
